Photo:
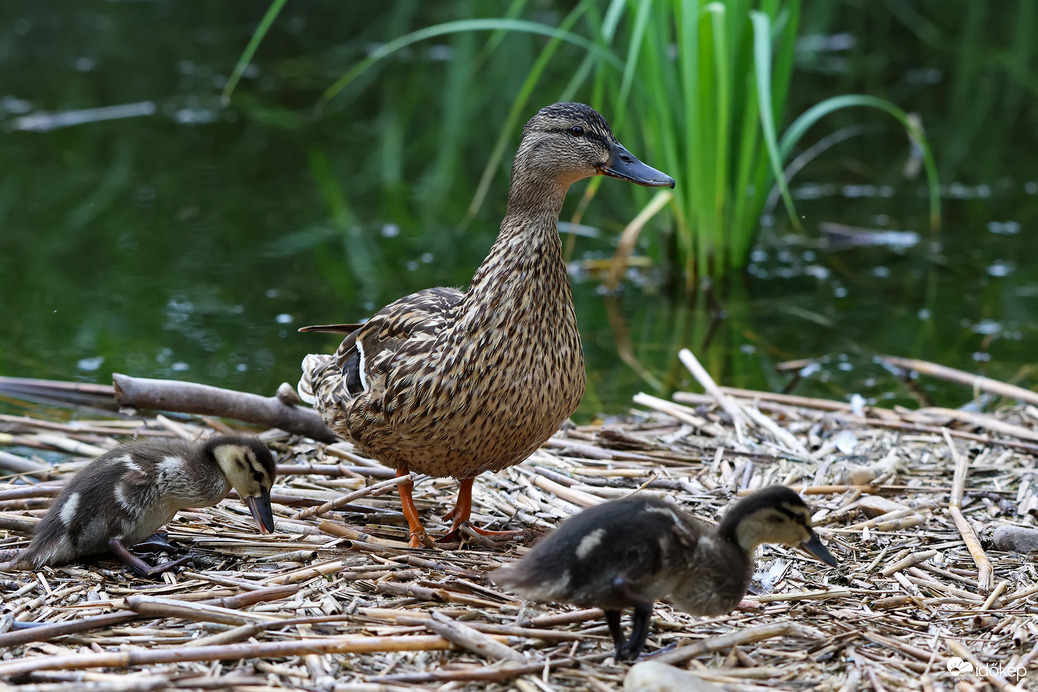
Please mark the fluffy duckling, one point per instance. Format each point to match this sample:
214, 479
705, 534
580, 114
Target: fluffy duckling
630, 552
126, 495
456, 383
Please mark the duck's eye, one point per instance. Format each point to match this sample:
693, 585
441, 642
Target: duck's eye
576, 131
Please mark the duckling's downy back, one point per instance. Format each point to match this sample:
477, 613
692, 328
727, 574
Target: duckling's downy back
642, 540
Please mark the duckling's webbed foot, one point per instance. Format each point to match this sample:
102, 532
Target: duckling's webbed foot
158, 542
139, 566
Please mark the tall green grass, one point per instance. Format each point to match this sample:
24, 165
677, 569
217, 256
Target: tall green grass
704, 84
708, 83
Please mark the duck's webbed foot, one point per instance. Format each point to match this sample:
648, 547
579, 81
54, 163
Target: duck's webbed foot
139, 566
459, 517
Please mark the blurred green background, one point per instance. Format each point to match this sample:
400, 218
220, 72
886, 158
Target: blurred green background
175, 236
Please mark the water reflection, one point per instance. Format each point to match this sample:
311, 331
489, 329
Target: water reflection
152, 231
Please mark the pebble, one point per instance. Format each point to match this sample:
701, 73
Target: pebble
653, 676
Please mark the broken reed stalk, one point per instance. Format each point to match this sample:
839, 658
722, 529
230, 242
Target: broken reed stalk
12, 463
158, 607
977, 382
727, 641
371, 490
734, 410
475, 641
229, 652
488, 674
49, 631
985, 573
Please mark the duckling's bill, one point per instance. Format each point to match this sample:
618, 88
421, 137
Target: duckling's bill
622, 164
259, 505
814, 546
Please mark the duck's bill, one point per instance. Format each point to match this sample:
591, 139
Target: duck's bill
623, 165
260, 507
815, 547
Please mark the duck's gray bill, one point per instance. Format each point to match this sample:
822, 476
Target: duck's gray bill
815, 547
261, 512
622, 164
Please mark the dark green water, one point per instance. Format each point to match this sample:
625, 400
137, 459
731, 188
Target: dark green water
190, 240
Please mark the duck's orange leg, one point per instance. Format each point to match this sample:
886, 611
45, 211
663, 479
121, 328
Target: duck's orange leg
418, 536
460, 515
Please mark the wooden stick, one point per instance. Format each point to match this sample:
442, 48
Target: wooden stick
487, 674
230, 652
475, 641
16, 464
188, 397
157, 607
803, 596
51, 630
730, 407
373, 489
977, 382
726, 641
984, 571
909, 560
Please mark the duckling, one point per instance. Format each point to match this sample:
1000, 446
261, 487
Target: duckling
454, 383
124, 496
631, 552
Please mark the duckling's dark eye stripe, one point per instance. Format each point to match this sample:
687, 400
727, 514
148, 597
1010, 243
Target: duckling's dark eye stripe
792, 514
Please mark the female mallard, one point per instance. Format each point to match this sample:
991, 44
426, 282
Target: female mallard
454, 383
126, 495
631, 552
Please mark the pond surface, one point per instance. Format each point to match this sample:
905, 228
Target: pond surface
171, 235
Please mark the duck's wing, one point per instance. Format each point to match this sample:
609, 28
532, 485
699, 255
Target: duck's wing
407, 326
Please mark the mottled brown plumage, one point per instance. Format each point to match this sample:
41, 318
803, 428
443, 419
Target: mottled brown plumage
454, 383
126, 495
631, 552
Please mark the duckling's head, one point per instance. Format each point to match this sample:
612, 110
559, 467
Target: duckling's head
566, 142
773, 515
249, 468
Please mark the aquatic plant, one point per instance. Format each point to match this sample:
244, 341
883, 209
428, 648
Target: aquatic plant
706, 82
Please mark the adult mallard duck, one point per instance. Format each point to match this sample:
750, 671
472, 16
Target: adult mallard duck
126, 495
454, 383
631, 552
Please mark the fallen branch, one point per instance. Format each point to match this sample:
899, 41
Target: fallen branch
188, 397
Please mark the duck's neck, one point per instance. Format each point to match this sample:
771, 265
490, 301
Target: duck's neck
527, 248
198, 482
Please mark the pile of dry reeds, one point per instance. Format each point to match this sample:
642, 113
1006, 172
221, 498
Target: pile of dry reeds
906, 500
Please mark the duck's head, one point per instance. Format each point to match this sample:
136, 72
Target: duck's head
570, 141
774, 515
249, 468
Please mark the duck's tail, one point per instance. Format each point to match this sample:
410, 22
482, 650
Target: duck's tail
314, 367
